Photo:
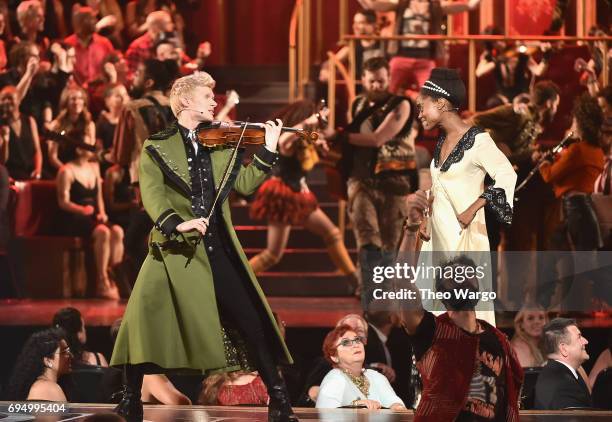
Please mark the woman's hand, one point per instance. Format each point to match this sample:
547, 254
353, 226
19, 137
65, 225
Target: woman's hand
466, 217
398, 407
197, 224
87, 210
102, 218
370, 404
273, 131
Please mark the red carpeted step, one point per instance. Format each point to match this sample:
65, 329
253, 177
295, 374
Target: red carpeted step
299, 259
255, 237
304, 284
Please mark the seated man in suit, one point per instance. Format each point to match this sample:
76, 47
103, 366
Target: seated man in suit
559, 385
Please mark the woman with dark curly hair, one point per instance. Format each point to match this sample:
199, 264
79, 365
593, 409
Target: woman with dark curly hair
44, 357
573, 175
285, 200
71, 321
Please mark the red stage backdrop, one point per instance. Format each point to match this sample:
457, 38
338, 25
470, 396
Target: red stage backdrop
529, 17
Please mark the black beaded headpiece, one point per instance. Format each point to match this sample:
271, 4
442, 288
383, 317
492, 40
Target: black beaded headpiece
445, 83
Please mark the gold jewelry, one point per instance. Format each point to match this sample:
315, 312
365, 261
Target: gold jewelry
361, 382
411, 226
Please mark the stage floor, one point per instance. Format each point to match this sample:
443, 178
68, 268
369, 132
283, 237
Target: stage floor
296, 312
78, 412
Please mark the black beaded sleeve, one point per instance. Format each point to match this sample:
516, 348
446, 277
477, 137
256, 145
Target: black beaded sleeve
498, 204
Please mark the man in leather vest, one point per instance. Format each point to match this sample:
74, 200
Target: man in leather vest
378, 161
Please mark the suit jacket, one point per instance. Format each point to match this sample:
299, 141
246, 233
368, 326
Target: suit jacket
375, 349
557, 388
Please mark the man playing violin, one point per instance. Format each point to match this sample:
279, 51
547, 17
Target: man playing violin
196, 304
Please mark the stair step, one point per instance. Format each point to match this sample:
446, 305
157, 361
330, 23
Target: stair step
256, 237
240, 213
305, 284
295, 260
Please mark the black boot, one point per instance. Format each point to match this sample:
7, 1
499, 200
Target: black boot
279, 408
130, 406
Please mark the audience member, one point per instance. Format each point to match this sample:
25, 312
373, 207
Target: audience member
4, 200
157, 389
158, 24
137, 11
603, 362
149, 112
559, 386
38, 89
349, 384
44, 357
467, 366
19, 142
79, 193
74, 120
91, 49
4, 38
528, 325
71, 321
234, 389
115, 98
110, 20
31, 19
321, 366
380, 324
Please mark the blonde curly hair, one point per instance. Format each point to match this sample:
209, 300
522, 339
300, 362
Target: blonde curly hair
184, 88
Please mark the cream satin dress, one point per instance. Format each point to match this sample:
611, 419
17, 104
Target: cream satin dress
456, 184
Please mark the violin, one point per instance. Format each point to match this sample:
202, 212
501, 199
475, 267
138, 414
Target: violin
228, 134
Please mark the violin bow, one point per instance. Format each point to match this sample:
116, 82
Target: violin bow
225, 177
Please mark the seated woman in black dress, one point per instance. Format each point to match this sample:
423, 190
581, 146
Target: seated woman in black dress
79, 194
19, 143
73, 119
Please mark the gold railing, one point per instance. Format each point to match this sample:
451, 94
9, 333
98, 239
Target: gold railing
472, 55
336, 65
299, 49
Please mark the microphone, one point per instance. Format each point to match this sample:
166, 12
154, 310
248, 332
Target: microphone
192, 109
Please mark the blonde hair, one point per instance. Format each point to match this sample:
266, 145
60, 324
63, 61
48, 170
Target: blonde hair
184, 87
343, 320
519, 332
25, 8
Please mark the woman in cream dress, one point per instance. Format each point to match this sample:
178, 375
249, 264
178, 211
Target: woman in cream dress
463, 157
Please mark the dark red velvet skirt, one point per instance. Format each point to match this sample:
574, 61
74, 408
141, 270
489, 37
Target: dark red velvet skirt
277, 203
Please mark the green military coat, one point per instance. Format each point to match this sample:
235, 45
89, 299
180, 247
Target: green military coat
171, 319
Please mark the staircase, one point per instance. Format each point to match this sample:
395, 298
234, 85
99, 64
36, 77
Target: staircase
305, 269
263, 90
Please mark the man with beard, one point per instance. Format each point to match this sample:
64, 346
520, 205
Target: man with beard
149, 112
468, 369
91, 49
378, 160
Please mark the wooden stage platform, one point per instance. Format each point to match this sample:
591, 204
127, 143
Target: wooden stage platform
78, 412
296, 312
